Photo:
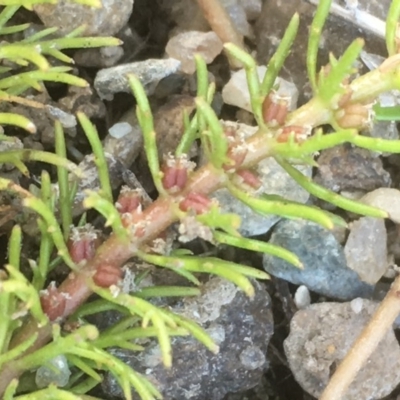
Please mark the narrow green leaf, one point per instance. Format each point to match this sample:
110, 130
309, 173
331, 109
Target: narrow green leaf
332, 83
317, 142
392, 26
328, 195
100, 157
145, 119
214, 139
23, 52
54, 229
17, 120
13, 29
43, 156
283, 208
276, 62
18, 350
7, 13
259, 246
314, 39
65, 205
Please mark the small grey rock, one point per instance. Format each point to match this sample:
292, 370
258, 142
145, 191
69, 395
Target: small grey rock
240, 326
67, 16
325, 270
365, 249
113, 80
322, 334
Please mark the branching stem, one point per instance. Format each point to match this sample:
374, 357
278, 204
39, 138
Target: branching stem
115, 251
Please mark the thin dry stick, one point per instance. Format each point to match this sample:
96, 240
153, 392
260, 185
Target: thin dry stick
365, 344
221, 23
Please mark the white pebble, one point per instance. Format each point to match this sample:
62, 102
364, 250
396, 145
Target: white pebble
357, 305
302, 297
120, 129
387, 199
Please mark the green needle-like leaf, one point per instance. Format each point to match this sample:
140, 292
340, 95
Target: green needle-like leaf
314, 40
259, 246
100, 157
287, 209
328, 195
276, 62
145, 119
331, 85
213, 139
392, 27
53, 228
17, 120
63, 183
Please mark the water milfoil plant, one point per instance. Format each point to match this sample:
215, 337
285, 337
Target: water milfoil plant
44, 320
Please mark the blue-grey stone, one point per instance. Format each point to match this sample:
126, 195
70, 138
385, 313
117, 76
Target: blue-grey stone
325, 270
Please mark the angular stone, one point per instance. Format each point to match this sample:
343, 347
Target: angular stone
322, 334
347, 168
365, 249
185, 45
113, 80
325, 270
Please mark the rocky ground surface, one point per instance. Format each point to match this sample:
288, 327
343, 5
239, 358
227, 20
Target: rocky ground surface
286, 342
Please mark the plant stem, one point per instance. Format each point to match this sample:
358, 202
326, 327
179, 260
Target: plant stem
365, 344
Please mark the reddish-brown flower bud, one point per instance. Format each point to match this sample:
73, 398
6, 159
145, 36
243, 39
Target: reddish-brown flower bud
197, 202
107, 275
175, 172
53, 302
249, 178
82, 243
237, 150
129, 200
275, 109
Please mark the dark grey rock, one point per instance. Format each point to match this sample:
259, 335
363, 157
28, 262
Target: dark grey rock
240, 326
325, 270
322, 334
347, 168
